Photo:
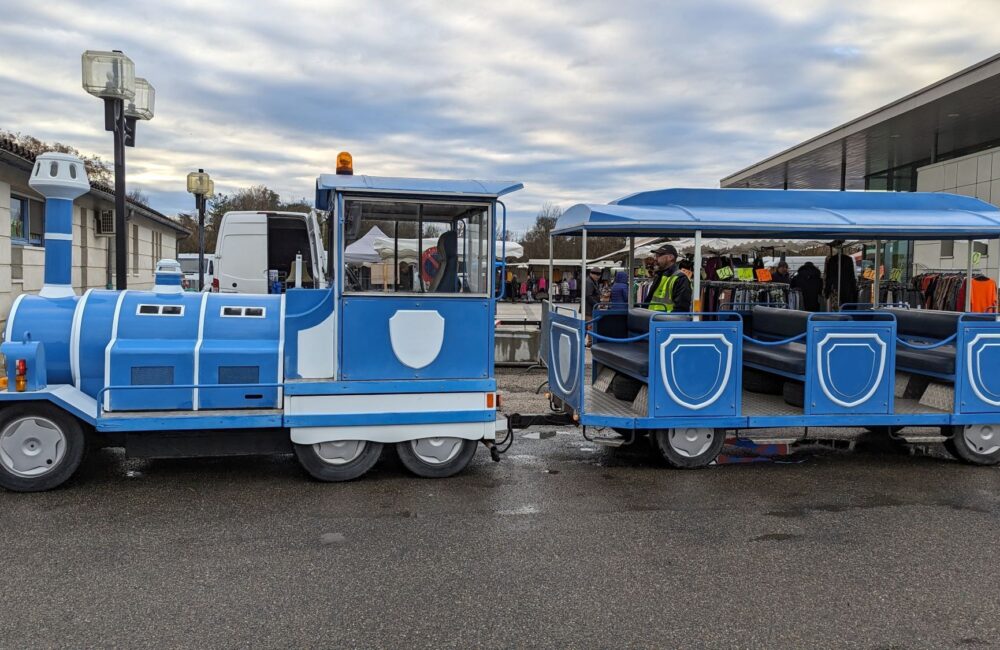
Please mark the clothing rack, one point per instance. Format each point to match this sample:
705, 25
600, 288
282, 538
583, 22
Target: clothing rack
743, 295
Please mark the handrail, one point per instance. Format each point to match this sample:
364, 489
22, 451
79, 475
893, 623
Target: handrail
929, 346
106, 389
631, 339
793, 339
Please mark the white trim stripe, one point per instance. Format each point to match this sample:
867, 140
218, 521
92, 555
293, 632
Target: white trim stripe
107, 350
281, 349
8, 332
74, 339
59, 236
196, 396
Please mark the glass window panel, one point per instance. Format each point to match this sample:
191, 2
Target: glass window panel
417, 247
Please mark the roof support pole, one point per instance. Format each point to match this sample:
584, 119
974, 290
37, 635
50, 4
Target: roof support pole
550, 270
876, 284
582, 282
696, 301
631, 264
968, 279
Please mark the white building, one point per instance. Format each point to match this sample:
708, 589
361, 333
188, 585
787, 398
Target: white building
151, 236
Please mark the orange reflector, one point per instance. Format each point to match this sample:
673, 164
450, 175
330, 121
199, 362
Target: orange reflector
489, 400
3, 383
20, 383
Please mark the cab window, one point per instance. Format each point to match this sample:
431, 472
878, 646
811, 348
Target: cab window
416, 247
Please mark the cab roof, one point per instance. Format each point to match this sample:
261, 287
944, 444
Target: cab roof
787, 214
418, 186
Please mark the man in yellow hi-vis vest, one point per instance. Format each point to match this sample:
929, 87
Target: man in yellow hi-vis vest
670, 288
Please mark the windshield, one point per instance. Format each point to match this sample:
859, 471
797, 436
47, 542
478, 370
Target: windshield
190, 265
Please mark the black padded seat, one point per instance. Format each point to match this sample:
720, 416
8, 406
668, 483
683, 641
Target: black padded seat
937, 360
631, 358
790, 358
933, 326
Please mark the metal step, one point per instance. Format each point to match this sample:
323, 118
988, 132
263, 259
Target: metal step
919, 439
613, 440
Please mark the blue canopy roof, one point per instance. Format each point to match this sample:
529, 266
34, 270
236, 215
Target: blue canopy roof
415, 185
788, 214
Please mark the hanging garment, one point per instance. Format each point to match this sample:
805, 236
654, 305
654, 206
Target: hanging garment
984, 295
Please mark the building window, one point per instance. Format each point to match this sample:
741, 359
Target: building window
135, 249
981, 247
948, 248
27, 221
157, 247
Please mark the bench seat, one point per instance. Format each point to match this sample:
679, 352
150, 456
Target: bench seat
926, 325
630, 358
789, 358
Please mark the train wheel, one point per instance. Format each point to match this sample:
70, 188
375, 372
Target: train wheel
40, 447
976, 444
689, 447
436, 457
342, 460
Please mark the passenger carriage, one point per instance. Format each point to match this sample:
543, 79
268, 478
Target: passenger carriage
332, 374
690, 378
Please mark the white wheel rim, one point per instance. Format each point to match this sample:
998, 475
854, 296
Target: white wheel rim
436, 451
982, 438
31, 446
690, 442
340, 452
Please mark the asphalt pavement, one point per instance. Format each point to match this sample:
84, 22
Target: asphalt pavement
561, 544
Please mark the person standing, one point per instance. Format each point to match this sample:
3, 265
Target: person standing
781, 274
619, 290
574, 290
564, 289
670, 290
543, 287
593, 290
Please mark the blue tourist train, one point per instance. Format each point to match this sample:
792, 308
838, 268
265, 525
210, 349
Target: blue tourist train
332, 374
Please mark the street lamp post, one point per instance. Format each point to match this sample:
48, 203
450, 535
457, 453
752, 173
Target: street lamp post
111, 77
201, 185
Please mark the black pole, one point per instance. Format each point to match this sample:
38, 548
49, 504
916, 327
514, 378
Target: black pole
114, 120
200, 199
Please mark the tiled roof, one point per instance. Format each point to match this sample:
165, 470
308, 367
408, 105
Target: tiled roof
107, 191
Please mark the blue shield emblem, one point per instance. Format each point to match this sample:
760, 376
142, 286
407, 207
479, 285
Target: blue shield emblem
850, 367
695, 368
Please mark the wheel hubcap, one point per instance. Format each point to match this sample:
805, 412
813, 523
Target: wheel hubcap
31, 446
340, 452
436, 451
982, 438
690, 442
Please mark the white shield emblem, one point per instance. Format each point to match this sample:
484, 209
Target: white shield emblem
565, 367
416, 336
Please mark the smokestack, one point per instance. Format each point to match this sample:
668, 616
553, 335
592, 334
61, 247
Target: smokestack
60, 178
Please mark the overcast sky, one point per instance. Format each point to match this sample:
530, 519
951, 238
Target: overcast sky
582, 101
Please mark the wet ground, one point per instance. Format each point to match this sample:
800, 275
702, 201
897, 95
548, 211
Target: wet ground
562, 544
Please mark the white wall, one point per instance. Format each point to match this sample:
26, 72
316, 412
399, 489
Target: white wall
975, 175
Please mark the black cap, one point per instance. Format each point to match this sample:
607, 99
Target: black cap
595, 269
665, 249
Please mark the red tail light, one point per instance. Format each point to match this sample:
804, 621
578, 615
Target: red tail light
215, 285
21, 367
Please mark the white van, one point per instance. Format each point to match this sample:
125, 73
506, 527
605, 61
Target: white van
252, 243
189, 266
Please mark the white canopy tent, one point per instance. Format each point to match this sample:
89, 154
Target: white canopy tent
363, 250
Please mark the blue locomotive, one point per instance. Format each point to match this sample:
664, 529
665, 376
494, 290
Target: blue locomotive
394, 352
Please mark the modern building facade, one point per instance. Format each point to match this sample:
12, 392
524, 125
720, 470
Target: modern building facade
151, 236
945, 137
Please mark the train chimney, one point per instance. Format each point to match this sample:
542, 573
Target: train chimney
60, 178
